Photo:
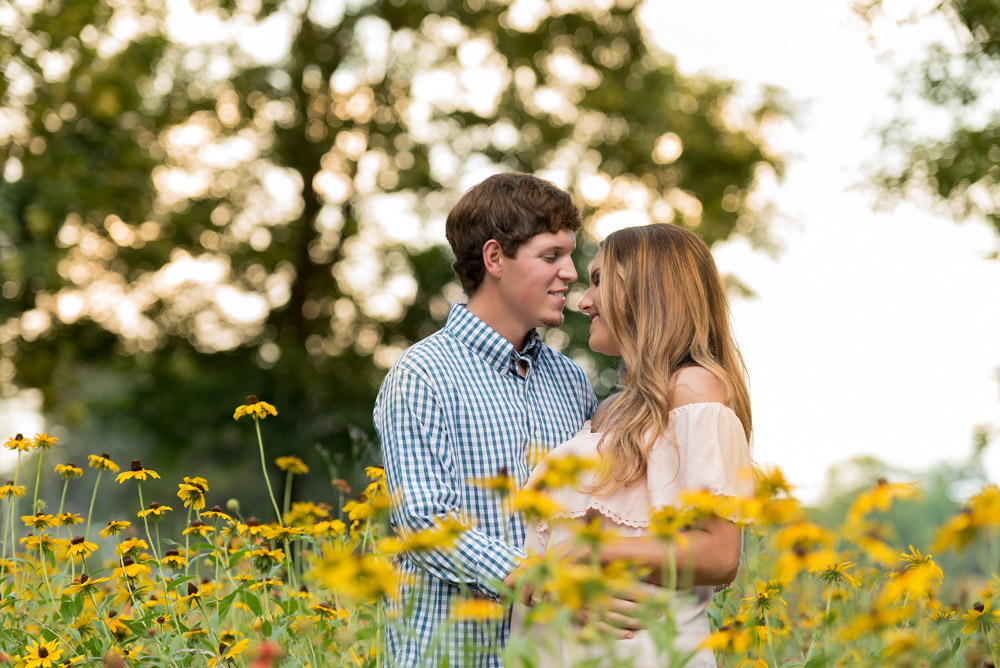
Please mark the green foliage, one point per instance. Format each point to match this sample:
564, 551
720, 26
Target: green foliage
961, 169
185, 219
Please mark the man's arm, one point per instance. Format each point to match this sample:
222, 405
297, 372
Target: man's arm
422, 480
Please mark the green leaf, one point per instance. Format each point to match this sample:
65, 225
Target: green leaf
252, 602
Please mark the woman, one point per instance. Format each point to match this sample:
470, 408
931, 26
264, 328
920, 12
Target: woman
681, 422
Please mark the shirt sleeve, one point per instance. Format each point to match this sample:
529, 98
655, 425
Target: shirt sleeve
705, 449
423, 482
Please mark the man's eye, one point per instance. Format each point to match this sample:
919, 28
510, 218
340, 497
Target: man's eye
549, 258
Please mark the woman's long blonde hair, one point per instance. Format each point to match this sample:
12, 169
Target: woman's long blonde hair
665, 306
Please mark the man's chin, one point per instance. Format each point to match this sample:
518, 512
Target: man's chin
553, 321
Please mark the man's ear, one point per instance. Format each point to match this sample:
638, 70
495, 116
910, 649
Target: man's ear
492, 257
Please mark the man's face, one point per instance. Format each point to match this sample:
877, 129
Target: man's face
533, 283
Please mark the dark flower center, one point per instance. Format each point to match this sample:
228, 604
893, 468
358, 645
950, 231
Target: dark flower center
136, 464
192, 589
978, 607
128, 561
172, 553
251, 399
153, 505
42, 652
77, 540
253, 522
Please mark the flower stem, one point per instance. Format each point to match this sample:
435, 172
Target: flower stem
38, 479
263, 466
93, 497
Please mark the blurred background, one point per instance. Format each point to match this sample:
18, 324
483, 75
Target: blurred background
205, 199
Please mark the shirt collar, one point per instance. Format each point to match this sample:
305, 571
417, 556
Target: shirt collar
486, 342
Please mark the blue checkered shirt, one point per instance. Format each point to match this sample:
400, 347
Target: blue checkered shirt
451, 411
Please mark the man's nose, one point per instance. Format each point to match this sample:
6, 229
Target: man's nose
568, 270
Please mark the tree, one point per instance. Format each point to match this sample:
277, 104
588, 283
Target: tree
247, 195
958, 77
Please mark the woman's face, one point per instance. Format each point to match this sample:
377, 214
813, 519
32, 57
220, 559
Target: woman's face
601, 340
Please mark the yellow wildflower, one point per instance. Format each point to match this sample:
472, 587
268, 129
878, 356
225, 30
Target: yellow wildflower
173, 558
979, 619
535, 504
39, 520
198, 527
84, 585
11, 490
44, 441
79, 547
216, 513
255, 408
114, 528
18, 442
68, 470
136, 472
281, 533
836, 573
155, 510
68, 519
193, 495
102, 463
42, 654
292, 464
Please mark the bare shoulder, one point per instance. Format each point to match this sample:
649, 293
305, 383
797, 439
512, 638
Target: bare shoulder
695, 384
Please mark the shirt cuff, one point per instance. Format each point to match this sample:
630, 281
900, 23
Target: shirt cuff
495, 563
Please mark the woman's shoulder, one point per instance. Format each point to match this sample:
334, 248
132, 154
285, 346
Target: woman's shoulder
695, 385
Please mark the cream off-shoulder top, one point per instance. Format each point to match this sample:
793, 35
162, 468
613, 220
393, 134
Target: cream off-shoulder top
704, 448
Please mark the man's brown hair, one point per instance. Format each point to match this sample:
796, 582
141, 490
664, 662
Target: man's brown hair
511, 208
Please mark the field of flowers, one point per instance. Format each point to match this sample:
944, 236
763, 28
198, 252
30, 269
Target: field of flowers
305, 588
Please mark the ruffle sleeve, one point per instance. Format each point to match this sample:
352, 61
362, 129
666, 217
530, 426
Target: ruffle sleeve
704, 449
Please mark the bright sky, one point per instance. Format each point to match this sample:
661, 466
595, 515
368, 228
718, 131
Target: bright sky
874, 333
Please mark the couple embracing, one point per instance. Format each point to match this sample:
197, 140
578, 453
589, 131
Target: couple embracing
466, 403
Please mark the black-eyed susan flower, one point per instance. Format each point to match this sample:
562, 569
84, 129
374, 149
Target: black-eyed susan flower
979, 618
81, 548
252, 527
228, 653
18, 442
194, 595
102, 463
84, 585
11, 490
196, 632
69, 519
292, 464
329, 611
835, 573
534, 504
199, 528
42, 654
266, 554
117, 626
130, 569
114, 528
215, 513
732, 638
328, 528
154, 510
161, 621
255, 408
44, 441
281, 533
42, 542
270, 583
39, 521
131, 546
192, 495
174, 559
137, 472
84, 625
68, 470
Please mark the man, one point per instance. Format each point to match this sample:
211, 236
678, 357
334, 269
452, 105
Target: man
467, 403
